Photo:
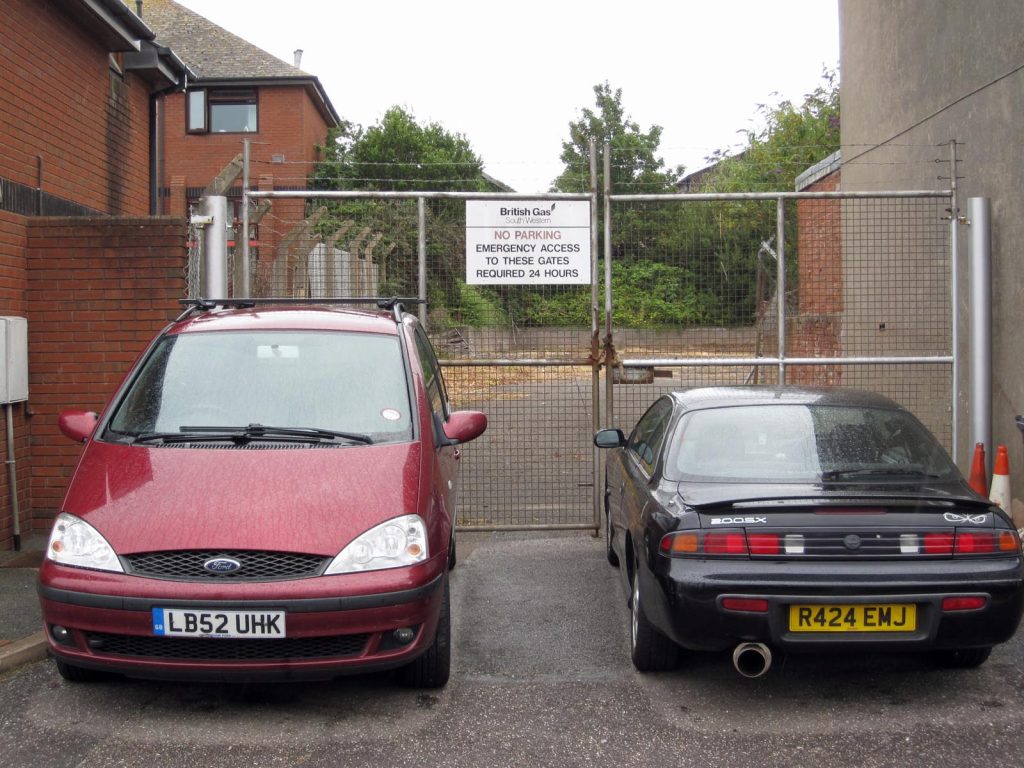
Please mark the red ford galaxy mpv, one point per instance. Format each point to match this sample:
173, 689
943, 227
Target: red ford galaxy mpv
269, 494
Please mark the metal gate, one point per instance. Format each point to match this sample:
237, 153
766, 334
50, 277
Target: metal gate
525, 355
815, 288
848, 289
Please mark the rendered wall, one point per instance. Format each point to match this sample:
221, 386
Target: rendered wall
915, 75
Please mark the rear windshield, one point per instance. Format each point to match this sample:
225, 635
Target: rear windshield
803, 443
350, 382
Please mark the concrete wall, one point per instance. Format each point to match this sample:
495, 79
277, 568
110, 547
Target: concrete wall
914, 75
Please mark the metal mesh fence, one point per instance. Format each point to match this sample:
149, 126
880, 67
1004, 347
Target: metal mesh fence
695, 285
520, 353
864, 277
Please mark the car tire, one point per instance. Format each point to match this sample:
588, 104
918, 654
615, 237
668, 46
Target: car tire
74, 674
432, 669
964, 658
451, 551
649, 650
609, 552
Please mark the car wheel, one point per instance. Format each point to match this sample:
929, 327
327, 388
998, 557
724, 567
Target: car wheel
964, 658
74, 674
451, 551
431, 670
650, 650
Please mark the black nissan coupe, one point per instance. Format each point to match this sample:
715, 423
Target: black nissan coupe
792, 519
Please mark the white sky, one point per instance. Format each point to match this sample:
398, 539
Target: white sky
511, 76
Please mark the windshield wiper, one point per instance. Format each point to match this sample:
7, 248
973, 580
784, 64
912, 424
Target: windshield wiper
254, 431
832, 474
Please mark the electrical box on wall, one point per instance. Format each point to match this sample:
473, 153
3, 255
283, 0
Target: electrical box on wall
13, 359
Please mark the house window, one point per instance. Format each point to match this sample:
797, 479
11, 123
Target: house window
223, 111
197, 111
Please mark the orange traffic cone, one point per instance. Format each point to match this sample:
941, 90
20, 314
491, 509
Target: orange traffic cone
977, 479
1001, 480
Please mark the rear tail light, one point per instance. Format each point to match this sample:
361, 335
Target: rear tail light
964, 603
938, 543
725, 543
975, 542
745, 604
721, 543
736, 542
763, 543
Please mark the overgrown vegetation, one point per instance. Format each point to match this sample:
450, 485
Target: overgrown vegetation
673, 264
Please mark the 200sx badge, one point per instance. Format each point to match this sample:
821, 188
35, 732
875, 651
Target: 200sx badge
179, 622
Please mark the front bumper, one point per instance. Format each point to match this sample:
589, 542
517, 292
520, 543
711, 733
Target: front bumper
686, 603
326, 635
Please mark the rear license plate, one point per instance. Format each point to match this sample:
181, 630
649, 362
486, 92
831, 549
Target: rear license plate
888, 617
184, 622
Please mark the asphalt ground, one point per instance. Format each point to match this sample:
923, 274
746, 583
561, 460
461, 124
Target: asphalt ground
21, 638
541, 677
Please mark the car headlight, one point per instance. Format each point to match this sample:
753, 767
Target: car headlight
392, 544
75, 542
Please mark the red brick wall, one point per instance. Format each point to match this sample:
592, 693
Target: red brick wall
289, 125
60, 101
817, 328
12, 264
98, 291
13, 285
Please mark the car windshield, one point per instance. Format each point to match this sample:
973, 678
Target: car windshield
803, 443
352, 383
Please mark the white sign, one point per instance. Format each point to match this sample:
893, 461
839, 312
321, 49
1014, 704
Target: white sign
526, 242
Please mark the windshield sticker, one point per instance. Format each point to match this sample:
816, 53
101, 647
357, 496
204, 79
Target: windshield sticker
391, 414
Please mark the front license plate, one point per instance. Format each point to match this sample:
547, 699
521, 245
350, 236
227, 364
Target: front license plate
888, 617
184, 622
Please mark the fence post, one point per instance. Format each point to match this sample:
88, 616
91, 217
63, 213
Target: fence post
242, 279
213, 215
780, 284
595, 332
609, 362
980, 256
954, 287
421, 249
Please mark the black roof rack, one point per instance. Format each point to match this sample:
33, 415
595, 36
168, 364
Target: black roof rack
393, 304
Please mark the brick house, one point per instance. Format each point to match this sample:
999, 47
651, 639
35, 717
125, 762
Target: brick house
80, 258
239, 91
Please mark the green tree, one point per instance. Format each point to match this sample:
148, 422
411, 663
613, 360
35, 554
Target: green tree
636, 168
399, 154
791, 139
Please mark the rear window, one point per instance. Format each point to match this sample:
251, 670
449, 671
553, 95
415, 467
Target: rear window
352, 382
803, 443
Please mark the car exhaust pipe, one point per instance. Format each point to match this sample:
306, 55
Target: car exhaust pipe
752, 659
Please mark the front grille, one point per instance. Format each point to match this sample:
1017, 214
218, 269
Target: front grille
227, 649
256, 565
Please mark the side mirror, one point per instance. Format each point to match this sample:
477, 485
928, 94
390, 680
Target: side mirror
77, 425
463, 426
609, 438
